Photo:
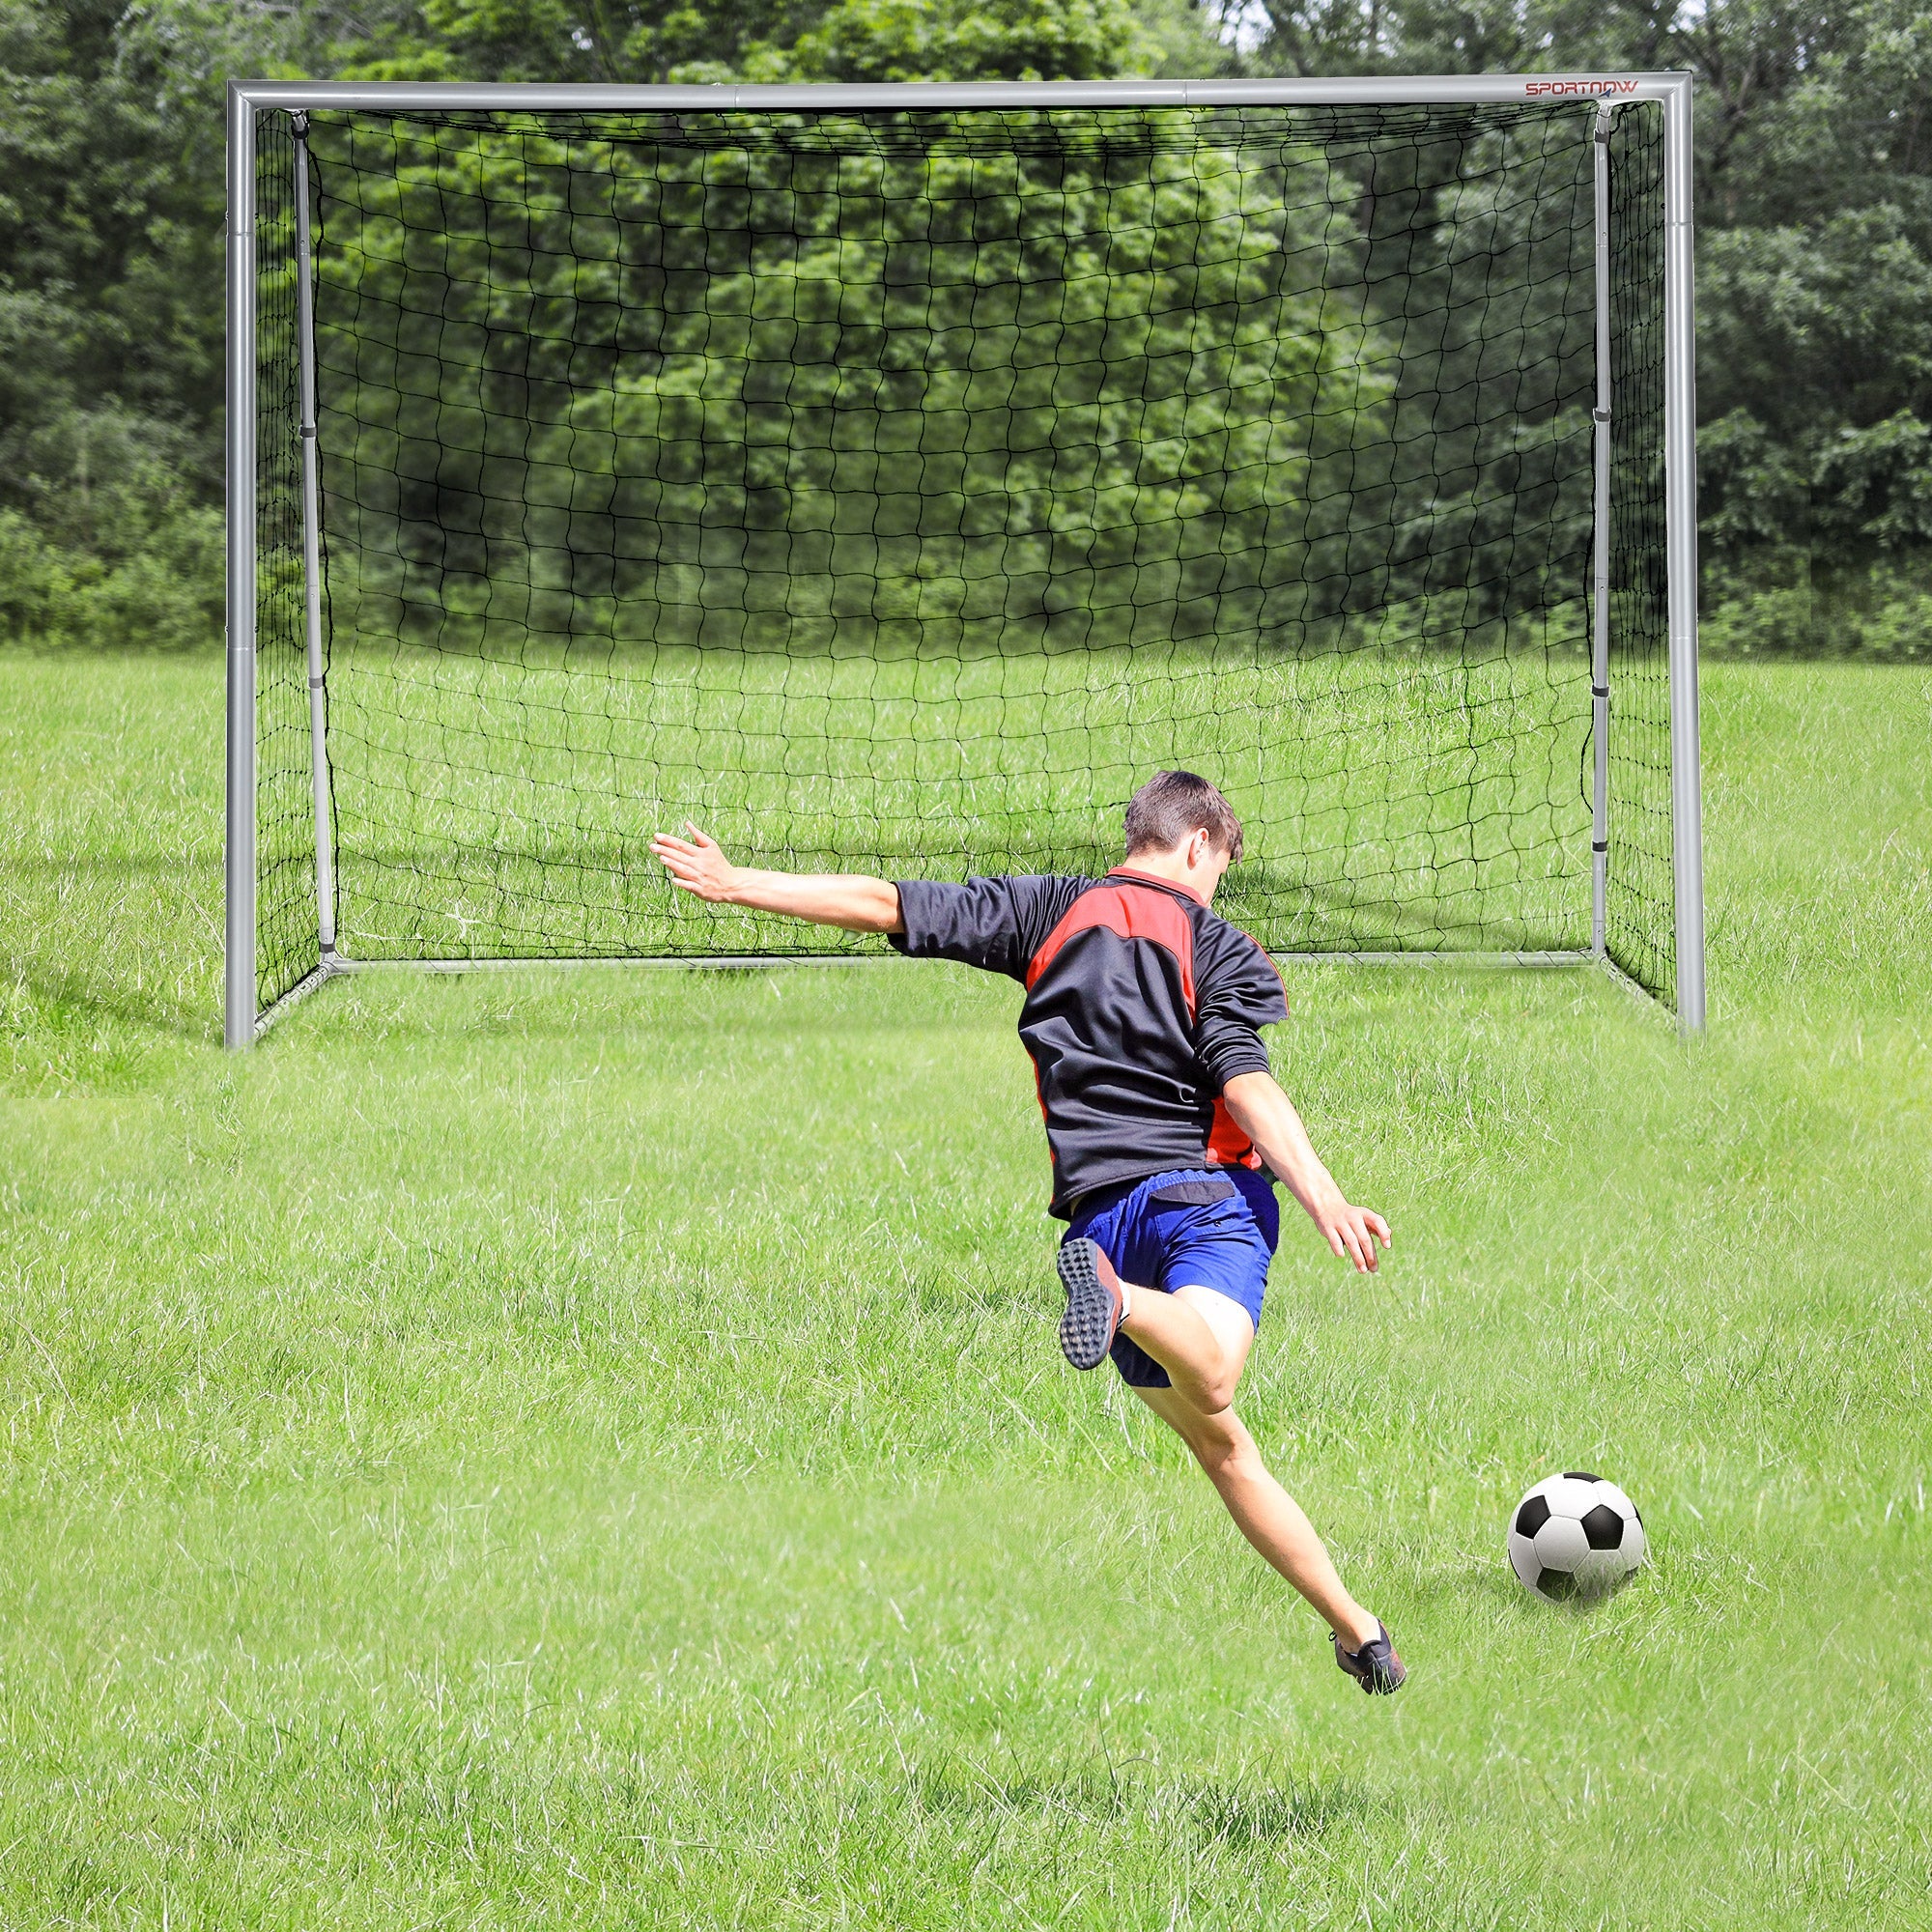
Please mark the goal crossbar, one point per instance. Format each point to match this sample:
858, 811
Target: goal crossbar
246, 1013
541, 96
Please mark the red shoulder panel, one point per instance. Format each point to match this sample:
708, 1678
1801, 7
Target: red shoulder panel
1134, 912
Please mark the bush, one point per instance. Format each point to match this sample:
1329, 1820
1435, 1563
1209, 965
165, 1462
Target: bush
1889, 619
1900, 631
165, 595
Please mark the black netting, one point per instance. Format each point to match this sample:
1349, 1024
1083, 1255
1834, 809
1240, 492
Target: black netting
1640, 901
895, 492
286, 943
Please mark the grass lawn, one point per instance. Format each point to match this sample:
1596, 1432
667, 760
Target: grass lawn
589, 1448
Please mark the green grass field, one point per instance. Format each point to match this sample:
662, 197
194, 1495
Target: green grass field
587, 1448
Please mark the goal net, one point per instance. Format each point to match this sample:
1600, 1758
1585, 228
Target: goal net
893, 491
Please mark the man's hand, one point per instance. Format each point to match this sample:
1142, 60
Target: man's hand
696, 864
1352, 1232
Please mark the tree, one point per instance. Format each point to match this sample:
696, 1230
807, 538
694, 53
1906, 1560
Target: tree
656, 40
110, 322
1814, 192
1814, 300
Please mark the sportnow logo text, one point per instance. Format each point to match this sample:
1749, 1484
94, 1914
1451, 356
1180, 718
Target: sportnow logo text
1535, 87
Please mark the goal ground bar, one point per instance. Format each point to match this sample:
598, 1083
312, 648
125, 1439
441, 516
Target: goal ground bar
726, 961
335, 966
318, 976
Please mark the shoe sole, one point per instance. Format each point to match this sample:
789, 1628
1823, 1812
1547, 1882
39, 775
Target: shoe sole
1087, 1328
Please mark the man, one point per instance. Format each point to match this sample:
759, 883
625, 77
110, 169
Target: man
1142, 1013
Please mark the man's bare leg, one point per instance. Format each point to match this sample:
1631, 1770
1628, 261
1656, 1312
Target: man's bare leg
1202, 1339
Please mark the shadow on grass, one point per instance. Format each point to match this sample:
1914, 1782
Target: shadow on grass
111, 939
1490, 1591
1242, 1813
109, 865
67, 1004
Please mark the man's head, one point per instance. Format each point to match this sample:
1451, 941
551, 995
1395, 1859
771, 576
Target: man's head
1179, 827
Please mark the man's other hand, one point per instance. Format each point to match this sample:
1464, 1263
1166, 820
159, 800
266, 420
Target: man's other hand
696, 864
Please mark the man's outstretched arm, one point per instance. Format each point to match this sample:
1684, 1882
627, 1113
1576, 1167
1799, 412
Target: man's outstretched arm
827, 898
1268, 1117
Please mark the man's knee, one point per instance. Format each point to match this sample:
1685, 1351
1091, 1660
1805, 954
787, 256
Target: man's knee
1223, 1447
1217, 1393
1211, 1388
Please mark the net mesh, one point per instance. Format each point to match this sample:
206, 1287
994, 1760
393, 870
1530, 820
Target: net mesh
897, 492
1639, 901
287, 946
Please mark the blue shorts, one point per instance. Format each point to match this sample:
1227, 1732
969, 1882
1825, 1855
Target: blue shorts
1193, 1228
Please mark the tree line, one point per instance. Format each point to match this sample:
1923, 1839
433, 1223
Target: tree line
1815, 245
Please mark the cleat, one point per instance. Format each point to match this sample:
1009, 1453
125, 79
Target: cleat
1375, 1667
1094, 1304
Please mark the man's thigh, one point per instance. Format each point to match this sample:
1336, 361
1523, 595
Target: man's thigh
1228, 1322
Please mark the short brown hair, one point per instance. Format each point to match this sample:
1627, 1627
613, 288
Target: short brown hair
1171, 806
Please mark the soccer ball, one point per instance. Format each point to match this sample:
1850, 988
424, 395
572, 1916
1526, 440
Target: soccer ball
1574, 1538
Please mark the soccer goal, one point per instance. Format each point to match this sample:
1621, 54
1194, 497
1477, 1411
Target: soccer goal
890, 478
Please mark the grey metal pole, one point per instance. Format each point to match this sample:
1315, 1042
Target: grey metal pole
900, 96
318, 696
1600, 603
1680, 495
239, 1027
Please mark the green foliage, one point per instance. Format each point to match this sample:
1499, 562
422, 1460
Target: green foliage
1816, 200
107, 550
1816, 327
961, 39
110, 247
636, 41
1117, 372
1860, 499
110, 319
164, 590
646, 41
1792, 611
1795, 622
1129, 383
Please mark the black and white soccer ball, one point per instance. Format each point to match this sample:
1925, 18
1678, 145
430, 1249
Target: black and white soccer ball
1574, 1538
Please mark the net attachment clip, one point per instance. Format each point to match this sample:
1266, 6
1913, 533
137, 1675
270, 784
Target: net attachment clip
1600, 415
298, 123
1600, 845
1599, 691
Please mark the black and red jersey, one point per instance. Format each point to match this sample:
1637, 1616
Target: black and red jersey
1141, 1006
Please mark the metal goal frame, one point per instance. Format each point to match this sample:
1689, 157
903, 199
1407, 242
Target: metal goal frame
244, 1021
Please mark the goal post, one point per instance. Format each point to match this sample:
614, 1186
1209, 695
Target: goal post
892, 476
